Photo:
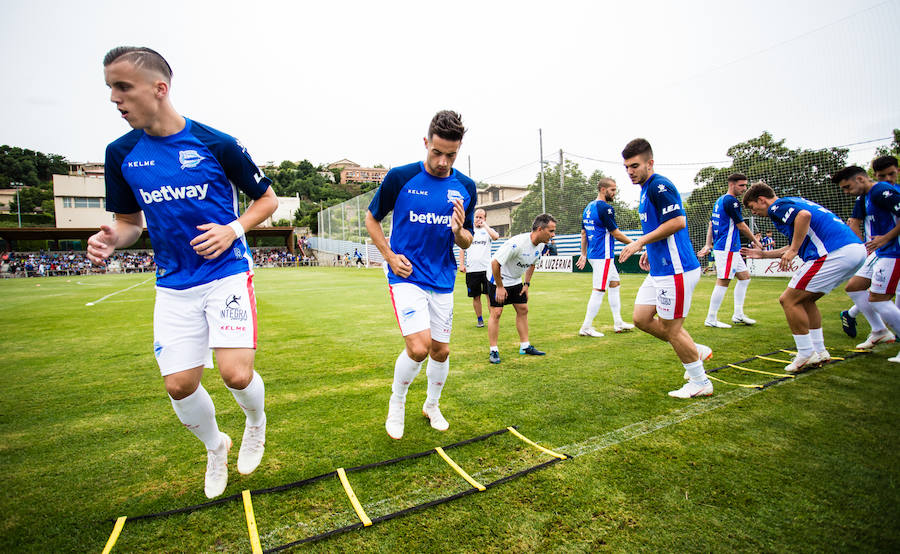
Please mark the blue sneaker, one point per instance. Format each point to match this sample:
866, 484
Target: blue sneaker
848, 323
531, 351
495, 357
479, 323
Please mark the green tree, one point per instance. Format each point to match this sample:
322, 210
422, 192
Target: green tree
893, 149
20, 165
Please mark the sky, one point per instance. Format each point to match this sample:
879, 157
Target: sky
361, 80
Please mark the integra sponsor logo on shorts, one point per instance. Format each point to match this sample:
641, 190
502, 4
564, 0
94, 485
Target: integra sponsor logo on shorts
233, 310
663, 299
189, 158
167, 193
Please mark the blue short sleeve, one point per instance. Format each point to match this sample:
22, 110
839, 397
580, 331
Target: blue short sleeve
886, 197
733, 210
386, 195
667, 201
608, 216
235, 161
859, 208
119, 196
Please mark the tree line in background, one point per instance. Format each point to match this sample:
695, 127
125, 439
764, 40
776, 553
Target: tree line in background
32, 173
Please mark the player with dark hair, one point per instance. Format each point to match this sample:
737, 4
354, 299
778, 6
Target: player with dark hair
726, 224
516, 257
831, 253
882, 228
183, 176
433, 206
884, 169
664, 299
598, 234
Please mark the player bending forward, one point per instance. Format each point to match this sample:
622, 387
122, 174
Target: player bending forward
182, 175
831, 254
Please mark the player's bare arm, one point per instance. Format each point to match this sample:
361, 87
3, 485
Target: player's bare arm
398, 262
491, 232
583, 258
880, 240
217, 239
498, 280
124, 231
855, 225
526, 281
745, 230
709, 242
620, 236
801, 228
665, 229
759, 253
462, 260
462, 236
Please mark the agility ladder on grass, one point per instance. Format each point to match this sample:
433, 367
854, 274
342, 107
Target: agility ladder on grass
780, 376
341, 473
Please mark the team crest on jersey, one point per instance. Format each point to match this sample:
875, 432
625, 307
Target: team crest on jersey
453, 194
189, 158
662, 188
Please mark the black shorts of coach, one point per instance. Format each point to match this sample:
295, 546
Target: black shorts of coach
514, 295
476, 283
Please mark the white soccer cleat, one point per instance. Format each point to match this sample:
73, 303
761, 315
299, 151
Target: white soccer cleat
434, 415
622, 327
895, 359
590, 332
252, 448
824, 357
217, 468
692, 389
802, 362
742, 319
394, 423
717, 324
882, 337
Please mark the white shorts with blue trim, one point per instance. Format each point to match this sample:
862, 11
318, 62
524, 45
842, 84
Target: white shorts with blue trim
418, 309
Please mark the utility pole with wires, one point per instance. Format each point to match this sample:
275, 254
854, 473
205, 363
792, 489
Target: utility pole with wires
562, 169
543, 200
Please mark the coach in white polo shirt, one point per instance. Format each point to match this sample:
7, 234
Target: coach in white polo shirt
475, 261
516, 257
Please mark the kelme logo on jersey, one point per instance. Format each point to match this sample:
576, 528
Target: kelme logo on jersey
189, 158
453, 194
167, 193
429, 218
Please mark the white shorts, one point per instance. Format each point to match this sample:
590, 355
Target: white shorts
728, 263
829, 271
187, 323
604, 272
418, 309
671, 294
885, 276
867, 267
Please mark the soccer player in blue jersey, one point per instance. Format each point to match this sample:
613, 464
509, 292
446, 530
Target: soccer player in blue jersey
723, 237
433, 207
882, 228
183, 177
598, 235
831, 253
664, 299
884, 169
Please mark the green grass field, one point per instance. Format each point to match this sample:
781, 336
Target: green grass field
87, 432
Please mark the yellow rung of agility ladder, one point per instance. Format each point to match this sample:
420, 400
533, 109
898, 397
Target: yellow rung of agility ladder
838, 358
459, 470
534, 444
734, 384
251, 523
360, 513
758, 371
114, 536
774, 360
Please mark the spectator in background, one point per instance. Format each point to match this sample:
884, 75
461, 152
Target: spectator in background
768, 241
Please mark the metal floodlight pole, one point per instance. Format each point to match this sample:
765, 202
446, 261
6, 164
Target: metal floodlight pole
543, 199
19, 206
562, 169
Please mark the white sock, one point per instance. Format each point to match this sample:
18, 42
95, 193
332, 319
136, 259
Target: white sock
495, 349
861, 303
405, 370
854, 310
889, 313
197, 413
740, 293
715, 300
804, 345
818, 340
437, 375
252, 399
593, 307
524, 345
615, 304
695, 372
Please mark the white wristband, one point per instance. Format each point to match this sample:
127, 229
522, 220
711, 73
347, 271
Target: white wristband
237, 228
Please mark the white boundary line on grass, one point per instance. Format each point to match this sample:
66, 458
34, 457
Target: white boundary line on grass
587, 446
118, 292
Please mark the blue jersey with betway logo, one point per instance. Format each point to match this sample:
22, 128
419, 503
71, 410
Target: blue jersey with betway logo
661, 202
598, 221
420, 229
882, 214
725, 217
826, 231
181, 181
